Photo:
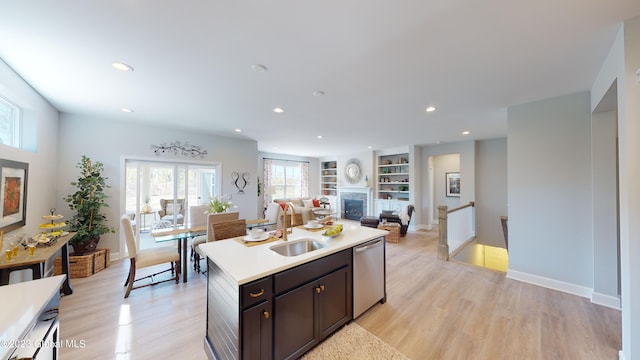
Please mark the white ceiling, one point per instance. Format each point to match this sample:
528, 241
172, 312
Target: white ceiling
379, 62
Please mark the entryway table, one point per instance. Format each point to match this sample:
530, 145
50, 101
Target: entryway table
38, 261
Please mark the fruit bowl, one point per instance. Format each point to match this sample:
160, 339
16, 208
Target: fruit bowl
334, 231
331, 235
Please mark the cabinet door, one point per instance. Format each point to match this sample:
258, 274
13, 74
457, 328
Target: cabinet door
256, 332
294, 322
334, 301
397, 206
381, 205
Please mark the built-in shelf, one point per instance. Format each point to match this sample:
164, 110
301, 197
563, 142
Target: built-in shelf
328, 178
393, 172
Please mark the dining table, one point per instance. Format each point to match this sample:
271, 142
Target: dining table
181, 234
38, 260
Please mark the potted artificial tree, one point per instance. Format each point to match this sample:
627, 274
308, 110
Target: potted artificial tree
88, 222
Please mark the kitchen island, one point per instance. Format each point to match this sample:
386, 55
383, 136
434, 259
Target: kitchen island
29, 319
264, 305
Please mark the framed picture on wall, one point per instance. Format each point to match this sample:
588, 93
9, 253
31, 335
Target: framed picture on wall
13, 194
453, 184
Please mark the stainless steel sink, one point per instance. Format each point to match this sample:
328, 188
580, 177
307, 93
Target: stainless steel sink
297, 247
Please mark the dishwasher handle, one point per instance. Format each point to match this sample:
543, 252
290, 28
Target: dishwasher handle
369, 246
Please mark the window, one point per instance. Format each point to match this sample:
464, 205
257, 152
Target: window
285, 179
9, 124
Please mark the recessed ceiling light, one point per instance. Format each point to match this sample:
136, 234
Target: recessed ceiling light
319, 136
121, 66
431, 109
278, 110
126, 110
369, 147
318, 93
238, 130
259, 68
466, 133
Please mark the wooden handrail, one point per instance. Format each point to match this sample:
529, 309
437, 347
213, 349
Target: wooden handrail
471, 203
443, 212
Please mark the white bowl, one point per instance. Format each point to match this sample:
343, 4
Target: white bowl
312, 223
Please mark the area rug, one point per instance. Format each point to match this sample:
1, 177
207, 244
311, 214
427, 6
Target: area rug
353, 342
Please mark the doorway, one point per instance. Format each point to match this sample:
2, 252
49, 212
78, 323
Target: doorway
606, 205
159, 193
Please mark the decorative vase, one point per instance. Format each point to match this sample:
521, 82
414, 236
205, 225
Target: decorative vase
145, 209
86, 247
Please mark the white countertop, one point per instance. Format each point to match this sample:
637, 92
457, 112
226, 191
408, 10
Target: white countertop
22, 303
245, 264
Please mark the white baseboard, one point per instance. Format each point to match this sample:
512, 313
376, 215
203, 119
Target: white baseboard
621, 355
609, 301
553, 284
422, 227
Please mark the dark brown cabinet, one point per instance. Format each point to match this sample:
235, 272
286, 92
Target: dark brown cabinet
294, 331
307, 314
281, 316
334, 302
257, 331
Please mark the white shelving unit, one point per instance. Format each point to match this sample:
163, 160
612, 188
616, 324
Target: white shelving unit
393, 186
329, 178
393, 177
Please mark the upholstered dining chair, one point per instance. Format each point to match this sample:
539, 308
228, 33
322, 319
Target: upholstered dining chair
211, 218
146, 258
273, 214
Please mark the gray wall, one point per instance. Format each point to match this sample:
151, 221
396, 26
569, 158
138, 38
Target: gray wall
605, 209
108, 140
549, 189
620, 67
41, 131
491, 190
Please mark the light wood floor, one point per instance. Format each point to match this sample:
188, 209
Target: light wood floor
434, 310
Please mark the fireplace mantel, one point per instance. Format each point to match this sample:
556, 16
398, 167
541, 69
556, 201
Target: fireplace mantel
367, 191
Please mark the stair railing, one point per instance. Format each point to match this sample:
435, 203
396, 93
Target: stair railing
456, 228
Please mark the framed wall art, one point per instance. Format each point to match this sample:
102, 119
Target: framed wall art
453, 184
13, 193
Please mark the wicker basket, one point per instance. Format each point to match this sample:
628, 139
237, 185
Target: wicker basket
394, 231
81, 266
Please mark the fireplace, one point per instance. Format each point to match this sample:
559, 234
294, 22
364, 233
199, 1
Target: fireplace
353, 209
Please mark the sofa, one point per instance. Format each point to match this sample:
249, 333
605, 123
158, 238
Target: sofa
303, 206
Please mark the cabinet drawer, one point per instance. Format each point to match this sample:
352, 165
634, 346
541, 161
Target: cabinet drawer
302, 274
256, 292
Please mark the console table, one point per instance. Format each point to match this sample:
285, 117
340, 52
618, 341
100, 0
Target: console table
38, 261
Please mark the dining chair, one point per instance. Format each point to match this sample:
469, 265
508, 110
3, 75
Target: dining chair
223, 230
197, 217
228, 229
293, 218
146, 258
211, 218
272, 214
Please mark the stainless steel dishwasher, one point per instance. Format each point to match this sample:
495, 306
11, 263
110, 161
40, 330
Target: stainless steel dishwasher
368, 275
